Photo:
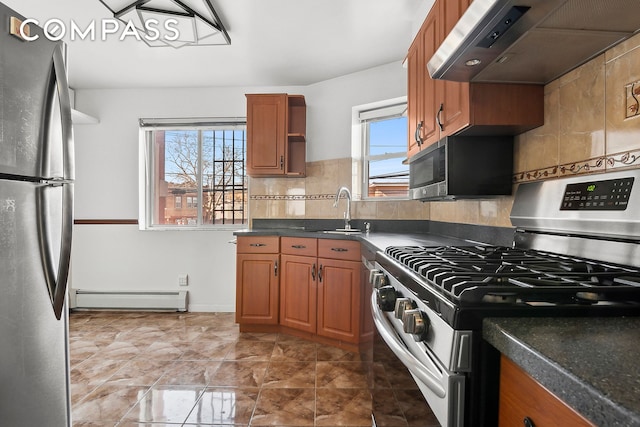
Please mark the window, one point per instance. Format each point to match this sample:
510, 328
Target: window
193, 174
383, 150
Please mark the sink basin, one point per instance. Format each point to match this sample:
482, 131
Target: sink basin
343, 231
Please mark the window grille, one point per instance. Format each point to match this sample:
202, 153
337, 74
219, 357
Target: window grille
198, 164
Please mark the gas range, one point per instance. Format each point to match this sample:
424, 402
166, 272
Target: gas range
464, 283
575, 252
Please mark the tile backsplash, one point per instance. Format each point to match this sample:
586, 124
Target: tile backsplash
588, 128
313, 196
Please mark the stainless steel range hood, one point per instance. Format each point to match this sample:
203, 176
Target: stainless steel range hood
529, 41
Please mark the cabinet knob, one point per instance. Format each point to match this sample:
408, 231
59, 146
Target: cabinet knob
528, 422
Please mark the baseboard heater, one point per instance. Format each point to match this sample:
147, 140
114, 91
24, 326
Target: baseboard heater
129, 300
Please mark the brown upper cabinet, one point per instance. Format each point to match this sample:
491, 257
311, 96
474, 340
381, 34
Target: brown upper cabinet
439, 108
276, 135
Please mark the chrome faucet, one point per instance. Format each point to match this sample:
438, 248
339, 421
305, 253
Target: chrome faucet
347, 213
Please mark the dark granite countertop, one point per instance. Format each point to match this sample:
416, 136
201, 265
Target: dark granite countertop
592, 364
386, 232
375, 240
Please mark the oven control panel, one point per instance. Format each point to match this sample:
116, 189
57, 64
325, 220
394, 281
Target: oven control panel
605, 195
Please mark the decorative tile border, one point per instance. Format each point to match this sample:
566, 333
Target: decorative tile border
534, 175
596, 164
292, 197
624, 160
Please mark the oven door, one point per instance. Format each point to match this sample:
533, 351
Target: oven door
443, 390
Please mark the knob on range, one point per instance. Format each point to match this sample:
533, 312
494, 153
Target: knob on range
416, 323
402, 305
379, 279
386, 297
372, 274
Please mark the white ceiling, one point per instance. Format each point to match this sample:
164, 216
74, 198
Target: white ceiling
273, 42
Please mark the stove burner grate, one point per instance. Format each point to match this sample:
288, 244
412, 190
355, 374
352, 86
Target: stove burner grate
490, 274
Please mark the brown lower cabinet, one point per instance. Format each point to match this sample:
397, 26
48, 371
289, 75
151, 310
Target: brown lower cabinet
299, 283
320, 287
257, 263
525, 402
319, 290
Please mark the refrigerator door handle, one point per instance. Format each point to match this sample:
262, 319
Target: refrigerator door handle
57, 278
65, 111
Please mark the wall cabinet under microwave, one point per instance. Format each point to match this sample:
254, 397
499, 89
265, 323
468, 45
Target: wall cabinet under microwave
439, 108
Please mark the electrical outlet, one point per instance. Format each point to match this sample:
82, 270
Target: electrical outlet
183, 280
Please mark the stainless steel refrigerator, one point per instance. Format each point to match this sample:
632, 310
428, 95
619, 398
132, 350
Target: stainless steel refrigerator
36, 213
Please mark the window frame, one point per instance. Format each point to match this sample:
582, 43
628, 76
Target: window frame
147, 170
361, 116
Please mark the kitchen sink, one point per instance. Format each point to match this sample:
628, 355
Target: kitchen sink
343, 231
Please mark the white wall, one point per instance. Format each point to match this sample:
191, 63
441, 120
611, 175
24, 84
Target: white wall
329, 106
121, 257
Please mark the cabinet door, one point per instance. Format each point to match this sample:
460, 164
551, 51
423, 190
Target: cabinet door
298, 292
257, 288
522, 397
339, 299
432, 89
421, 89
266, 134
454, 96
450, 13
415, 92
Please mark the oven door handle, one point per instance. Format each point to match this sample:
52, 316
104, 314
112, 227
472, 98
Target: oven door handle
416, 367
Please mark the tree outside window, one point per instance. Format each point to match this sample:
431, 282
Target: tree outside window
206, 168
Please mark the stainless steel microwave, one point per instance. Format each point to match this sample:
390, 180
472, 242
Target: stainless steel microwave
459, 167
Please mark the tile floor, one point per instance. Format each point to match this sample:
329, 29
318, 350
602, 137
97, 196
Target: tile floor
197, 369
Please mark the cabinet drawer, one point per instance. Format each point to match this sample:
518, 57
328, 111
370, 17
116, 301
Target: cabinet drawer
339, 249
258, 244
305, 246
523, 398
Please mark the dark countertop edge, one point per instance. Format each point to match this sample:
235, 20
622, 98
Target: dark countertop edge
468, 233
575, 392
374, 241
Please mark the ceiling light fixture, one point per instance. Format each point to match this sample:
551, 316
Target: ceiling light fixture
175, 23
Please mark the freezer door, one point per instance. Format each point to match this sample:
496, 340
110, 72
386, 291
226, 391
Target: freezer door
34, 367
35, 115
